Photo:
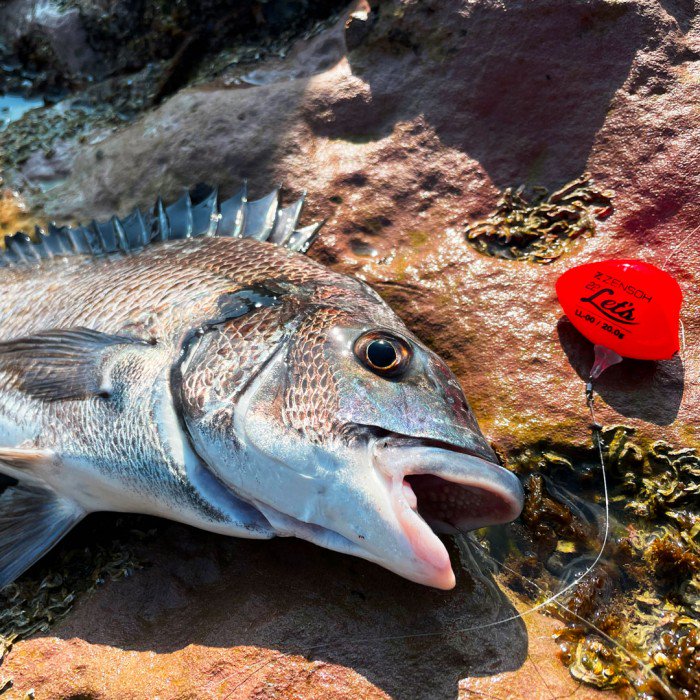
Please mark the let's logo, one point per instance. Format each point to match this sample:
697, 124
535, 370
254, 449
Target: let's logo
615, 310
628, 306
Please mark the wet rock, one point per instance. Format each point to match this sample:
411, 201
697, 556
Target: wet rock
213, 617
402, 144
539, 678
412, 137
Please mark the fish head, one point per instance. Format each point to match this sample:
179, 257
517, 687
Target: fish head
351, 433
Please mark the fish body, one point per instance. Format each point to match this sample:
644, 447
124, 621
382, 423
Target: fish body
192, 363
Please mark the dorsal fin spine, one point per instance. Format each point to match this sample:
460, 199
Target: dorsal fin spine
119, 234
14, 247
214, 216
144, 235
100, 237
163, 221
72, 240
189, 226
262, 219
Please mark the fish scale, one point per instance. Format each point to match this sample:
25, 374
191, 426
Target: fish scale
189, 362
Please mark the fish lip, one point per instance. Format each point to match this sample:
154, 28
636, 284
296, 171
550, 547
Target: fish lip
486, 474
488, 485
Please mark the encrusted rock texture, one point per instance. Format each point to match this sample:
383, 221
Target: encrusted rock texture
404, 128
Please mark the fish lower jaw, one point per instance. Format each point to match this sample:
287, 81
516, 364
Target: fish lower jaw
434, 569
432, 566
288, 526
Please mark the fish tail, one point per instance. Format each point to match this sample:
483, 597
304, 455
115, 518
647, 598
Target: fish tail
32, 520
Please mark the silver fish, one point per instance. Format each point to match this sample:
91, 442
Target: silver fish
191, 363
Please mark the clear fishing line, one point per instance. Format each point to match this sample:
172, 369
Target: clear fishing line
678, 246
665, 263
641, 663
511, 618
553, 599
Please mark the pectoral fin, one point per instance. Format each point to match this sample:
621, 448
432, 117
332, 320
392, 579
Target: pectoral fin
25, 464
20, 459
59, 365
32, 520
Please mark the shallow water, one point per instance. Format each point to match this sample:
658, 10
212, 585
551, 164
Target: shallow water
14, 107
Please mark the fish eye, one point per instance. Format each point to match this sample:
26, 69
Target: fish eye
383, 353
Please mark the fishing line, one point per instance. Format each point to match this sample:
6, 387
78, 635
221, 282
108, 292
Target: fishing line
553, 599
665, 263
511, 618
558, 594
677, 247
642, 664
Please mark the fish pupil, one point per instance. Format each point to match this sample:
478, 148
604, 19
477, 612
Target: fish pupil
381, 354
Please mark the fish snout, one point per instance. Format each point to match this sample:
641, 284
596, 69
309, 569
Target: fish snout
443, 489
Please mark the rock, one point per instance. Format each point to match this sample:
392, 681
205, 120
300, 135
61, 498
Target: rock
403, 142
410, 138
52, 37
307, 58
539, 678
214, 617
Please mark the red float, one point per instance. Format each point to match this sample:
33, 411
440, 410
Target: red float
628, 306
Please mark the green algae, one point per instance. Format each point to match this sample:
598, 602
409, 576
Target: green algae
645, 590
541, 228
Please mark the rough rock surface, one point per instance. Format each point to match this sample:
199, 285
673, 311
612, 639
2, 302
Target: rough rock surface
211, 617
401, 143
413, 134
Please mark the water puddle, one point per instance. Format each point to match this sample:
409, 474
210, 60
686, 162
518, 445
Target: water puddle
13, 107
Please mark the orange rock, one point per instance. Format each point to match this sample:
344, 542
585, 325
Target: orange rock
437, 108
541, 677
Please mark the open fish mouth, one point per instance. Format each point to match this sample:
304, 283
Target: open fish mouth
421, 488
451, 507
442, 488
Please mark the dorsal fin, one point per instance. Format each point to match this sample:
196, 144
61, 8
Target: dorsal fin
197, 213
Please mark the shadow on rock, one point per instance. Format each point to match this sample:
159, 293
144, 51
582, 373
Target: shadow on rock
683, 11
642, 389
522, 88
287, 595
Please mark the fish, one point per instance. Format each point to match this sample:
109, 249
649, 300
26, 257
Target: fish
191, 362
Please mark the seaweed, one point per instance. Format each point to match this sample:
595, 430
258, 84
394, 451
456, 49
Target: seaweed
540, 229
47, 593
645, 590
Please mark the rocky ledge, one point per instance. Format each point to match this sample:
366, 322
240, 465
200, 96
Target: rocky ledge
412, 124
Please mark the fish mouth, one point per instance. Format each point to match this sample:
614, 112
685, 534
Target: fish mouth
439, 487
416, 489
